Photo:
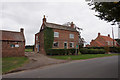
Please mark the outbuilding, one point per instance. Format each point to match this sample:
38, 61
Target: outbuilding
13, 43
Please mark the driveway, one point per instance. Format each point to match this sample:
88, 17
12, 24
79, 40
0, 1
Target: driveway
37, 60
105, 67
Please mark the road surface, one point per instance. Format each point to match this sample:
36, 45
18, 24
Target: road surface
105, 67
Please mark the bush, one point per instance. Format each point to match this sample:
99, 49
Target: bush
114, 49
61, 51
92, 51
107, 49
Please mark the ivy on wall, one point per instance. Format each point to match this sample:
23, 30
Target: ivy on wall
48, 38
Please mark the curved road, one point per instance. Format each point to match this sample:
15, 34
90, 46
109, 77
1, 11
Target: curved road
105, 67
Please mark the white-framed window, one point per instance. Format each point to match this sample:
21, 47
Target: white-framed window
108, 42
55, 44
115, 43
36, 37
12, 45
36, 45
111, 42
71, 35
71, 44
56, 34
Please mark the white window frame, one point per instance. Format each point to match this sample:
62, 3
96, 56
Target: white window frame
55, 42
36, 37
72, 44
36, 45
56, 34
71, 36
112, 43
108, 42
67, 44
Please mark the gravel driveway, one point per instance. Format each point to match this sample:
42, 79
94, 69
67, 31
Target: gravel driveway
37, 60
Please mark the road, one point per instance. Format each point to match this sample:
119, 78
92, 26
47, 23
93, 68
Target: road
105, 67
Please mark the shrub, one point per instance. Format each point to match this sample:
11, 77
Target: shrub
107, 49
92, 51
115, 49
60, 51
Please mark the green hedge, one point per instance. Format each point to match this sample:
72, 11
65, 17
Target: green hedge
61, 51
111, 49
92, 51
114, 49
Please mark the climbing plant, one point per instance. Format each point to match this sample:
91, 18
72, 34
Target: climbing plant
48, 38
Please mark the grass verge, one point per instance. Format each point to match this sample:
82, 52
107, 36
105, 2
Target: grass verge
28, 50
11, 63
81, 56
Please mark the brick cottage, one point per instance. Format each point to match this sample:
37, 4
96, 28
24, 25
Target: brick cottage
64, 36
13, 43
102, 41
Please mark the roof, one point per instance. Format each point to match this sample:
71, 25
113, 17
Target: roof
12, 36
99, 43
106, 38
57, 26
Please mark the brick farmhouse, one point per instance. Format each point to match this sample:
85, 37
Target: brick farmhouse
13, 43
102, 41
64, 36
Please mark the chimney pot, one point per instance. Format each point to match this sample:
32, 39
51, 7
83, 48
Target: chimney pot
98, 34
44, 19
22, 30
108, 35
72, 24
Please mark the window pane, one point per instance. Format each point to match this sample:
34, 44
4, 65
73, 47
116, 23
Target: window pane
72, 44
56, 34
55, 44
71, 35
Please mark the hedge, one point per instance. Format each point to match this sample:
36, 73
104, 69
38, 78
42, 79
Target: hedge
61, 51
111, 49
92, 51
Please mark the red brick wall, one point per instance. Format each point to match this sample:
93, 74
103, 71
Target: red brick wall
64, 37
36, 42
8, 51
40, 42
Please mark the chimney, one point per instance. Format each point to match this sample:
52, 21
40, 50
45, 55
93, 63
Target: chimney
22, 30
108, 35
98, 34
44, 19
92, 40
72, 25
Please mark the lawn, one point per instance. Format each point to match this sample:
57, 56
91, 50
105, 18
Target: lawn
81, 56
28, 50
11, 63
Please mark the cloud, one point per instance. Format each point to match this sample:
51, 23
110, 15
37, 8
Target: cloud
28, 15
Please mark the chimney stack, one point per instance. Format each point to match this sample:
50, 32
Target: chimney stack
108, 35
72, 25
98, 34
21, 30
44, 19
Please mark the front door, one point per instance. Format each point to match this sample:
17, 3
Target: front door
65, 45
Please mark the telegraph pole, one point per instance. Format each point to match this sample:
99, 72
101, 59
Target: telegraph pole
113, 36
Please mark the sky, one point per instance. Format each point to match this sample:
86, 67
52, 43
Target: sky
29, 14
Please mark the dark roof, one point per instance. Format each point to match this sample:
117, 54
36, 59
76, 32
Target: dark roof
12, 36
57, 26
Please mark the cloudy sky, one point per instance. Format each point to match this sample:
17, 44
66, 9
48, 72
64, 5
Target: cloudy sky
28, 15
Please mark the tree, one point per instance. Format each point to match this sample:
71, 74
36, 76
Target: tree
108, 11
